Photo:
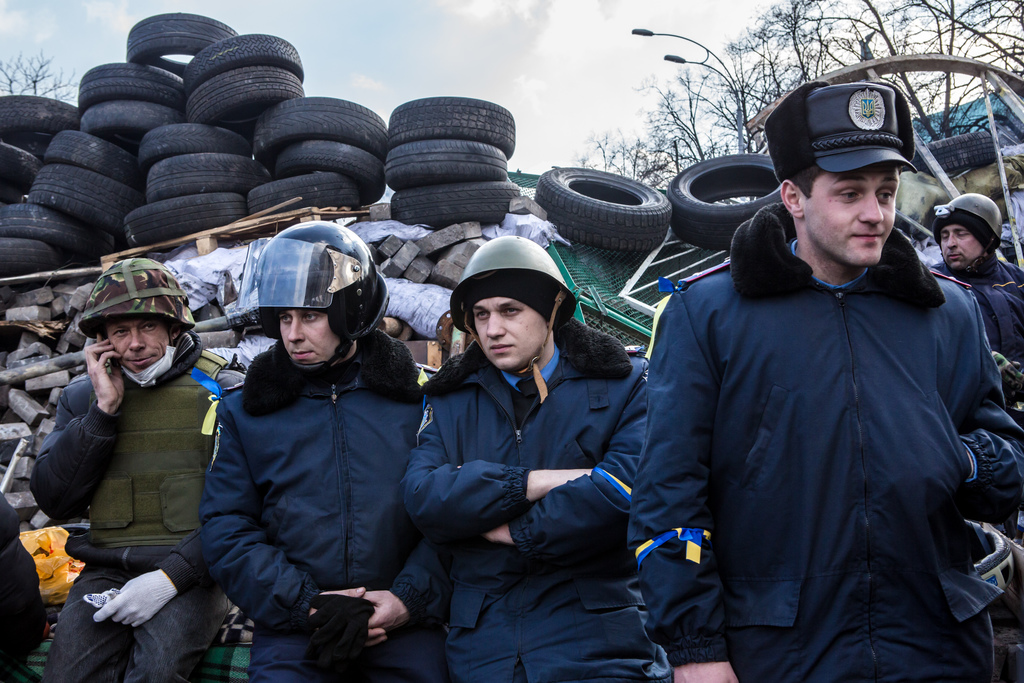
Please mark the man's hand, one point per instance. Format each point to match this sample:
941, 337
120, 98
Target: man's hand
705, 672
139, 600
389, 613
109, 388
540, 482
501, 535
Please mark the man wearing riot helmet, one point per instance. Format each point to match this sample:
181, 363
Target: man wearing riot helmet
968, 230
132, 441
304, 524
525, 458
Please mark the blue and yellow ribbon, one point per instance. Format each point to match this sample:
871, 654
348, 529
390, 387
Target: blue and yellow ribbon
215, 393
692, 537
626, 491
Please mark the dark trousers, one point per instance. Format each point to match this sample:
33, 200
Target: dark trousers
414, 655
165, 648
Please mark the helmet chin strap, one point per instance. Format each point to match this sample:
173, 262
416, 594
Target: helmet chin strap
317, 369
532, 366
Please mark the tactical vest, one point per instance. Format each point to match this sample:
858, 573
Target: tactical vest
151, 490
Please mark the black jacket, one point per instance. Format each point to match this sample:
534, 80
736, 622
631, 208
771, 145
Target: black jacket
824, 439
22, 616
73, 460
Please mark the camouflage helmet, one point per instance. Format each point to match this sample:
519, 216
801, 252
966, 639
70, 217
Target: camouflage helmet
135, 287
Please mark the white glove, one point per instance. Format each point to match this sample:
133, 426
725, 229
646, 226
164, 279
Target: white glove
139, 600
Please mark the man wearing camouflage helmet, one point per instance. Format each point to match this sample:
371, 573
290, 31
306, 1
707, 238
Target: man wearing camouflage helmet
824, 413
526, 453
968, 230
132, 441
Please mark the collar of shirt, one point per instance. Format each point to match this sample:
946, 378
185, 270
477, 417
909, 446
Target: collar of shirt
545, 372
845, 285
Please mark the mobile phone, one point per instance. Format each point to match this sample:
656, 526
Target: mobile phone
110, 364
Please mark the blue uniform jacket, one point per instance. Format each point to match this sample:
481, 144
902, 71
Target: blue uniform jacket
303, 492
564, 599
824, 441
997, 286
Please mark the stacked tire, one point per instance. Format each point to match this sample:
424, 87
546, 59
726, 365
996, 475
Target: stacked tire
329, 152
448, 161
122, 102
29, 122
197, 177
604, 210
76, 203
234, 80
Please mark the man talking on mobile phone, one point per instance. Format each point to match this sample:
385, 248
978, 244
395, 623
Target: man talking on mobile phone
132, 442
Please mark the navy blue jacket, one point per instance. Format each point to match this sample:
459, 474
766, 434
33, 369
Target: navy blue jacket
564, 598
22, 615
824, 440
303, 493
997, 286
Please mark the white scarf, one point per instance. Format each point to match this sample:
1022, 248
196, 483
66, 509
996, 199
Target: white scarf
149, 376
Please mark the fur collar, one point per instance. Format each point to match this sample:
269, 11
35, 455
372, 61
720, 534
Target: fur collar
762, 263
591, 352
387, 368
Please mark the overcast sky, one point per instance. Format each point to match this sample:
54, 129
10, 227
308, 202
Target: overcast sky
565, 68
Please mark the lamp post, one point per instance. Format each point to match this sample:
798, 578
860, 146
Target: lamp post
730, 82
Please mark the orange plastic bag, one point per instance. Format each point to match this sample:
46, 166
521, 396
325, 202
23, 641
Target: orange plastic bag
56, 569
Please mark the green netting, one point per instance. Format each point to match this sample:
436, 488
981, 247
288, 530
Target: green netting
600, 276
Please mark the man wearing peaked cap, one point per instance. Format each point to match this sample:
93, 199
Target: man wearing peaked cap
523, 466
132, 440
823, 416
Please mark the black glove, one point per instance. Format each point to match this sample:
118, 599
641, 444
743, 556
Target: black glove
342, 626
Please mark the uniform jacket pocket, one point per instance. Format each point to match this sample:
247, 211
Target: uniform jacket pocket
757, 462
967, 595
466, 605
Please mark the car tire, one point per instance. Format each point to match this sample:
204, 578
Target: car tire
441, 162
153, 38
189, 138
87, 151
318, 189
439, 206
131, 82
179, 216
235, 99
86, 195
319, 118
453, 118
696, 217
336, 157
126, 122
238, 51
603, 209
32, 221
192, 174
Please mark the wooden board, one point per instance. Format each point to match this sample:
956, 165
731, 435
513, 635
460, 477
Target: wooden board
246, 229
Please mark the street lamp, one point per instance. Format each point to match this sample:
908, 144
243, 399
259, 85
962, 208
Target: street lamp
724, 73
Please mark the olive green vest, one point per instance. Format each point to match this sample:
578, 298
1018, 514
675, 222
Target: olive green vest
150, 492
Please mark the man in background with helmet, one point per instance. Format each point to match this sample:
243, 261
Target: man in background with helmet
303, 520
969, 230
526, 454
131, 444
824, 414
